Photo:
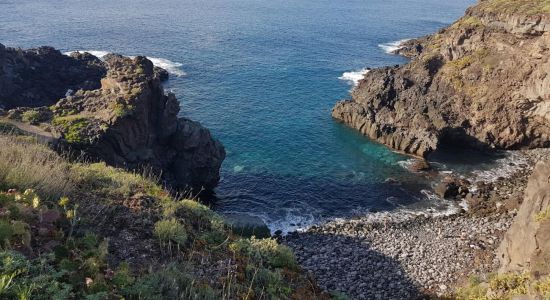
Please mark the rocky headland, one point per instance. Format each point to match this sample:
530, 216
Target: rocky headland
481, 82
113, 110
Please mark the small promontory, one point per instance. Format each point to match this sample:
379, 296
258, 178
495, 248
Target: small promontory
113, 110
483, 82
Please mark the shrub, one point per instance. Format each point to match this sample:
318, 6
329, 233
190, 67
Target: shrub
543, 215
113, 181
168, 283
272, 282
31, 116
198, 214
511, 283
73, 127
27, 164
171, 230
7, 128
123, 110
266, 251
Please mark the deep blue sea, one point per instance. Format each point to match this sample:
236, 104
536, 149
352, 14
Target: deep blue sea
263, 75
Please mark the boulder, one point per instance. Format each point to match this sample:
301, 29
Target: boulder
526, 245
420, 165
447, 189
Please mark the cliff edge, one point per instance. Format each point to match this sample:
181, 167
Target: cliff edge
526, 246
482, 82
113, 110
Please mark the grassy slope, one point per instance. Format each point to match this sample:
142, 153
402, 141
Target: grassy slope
526, 7
60, 238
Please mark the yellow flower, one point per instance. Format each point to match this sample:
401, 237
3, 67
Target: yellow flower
18, 197
64, 201
35, 202
70, 214
28, 192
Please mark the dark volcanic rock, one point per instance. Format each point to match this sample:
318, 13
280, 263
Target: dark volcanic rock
447, 189
130, 122
117, 112
42, 76
482, 82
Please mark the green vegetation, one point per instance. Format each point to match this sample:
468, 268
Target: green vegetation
267, 252
73, 127
25, 164
7, 128
526, 7
111, 182
171, 231
455, 67
467, 22
543, 215
123, 110
31, 116
53, 244
505, 286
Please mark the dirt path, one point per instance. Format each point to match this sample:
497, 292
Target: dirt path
41, 135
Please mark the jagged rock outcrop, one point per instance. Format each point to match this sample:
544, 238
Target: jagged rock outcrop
526, 245
118, 114
482, 82
40, 77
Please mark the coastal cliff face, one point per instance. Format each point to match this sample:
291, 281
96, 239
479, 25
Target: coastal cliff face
526, 246
482, 82
40, 77
118, 113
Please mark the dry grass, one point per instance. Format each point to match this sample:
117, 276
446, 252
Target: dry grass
24, 163
526, 7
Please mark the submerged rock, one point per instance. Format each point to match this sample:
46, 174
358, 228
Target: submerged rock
480, 83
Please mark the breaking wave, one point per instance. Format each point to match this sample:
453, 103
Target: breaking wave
170, 66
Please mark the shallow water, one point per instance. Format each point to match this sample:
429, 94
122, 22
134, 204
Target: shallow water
263, 76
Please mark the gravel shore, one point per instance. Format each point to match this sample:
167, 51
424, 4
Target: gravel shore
412, 255
398, 256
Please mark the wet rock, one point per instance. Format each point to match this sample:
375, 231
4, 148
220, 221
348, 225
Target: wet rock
447, 189
420, 165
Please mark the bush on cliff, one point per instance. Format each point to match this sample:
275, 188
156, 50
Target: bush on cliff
66, 238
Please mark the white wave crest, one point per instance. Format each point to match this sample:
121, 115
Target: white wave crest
170, 66
354, 77
504, 167
392, 46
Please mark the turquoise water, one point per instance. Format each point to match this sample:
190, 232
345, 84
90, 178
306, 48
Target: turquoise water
263, 76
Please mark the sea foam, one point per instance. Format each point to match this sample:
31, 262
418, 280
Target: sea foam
392, 46
170, 66
354, 77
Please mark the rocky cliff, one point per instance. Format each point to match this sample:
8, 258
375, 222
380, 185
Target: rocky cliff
482, 82
526, 246
113, 110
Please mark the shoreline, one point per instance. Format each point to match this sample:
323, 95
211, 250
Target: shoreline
408, 255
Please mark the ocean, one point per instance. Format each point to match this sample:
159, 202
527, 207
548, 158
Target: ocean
263, 76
